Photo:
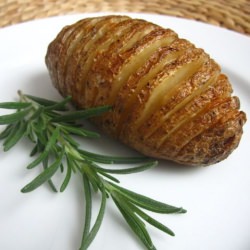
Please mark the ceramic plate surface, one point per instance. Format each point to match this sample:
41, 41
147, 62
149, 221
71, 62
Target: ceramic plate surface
216, 198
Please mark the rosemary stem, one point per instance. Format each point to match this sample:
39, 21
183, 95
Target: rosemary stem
51, 127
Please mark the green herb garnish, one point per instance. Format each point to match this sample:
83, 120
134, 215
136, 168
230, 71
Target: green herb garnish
52, 127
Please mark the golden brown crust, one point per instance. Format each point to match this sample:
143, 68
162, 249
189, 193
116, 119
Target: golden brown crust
169, 98
214, 144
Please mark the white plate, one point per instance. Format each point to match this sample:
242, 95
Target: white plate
217, 198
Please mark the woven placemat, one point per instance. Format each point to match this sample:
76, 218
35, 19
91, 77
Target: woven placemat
231, 14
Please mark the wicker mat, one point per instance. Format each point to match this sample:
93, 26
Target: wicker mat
231, 14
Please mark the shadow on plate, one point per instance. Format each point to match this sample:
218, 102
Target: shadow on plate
39, 84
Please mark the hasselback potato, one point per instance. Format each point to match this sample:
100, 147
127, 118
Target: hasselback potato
169, 99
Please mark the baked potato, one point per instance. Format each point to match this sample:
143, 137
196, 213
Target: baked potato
169, 99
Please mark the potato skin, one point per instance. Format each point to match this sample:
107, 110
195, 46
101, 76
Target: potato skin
169, 99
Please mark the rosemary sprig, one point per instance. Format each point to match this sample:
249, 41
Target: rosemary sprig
51, 127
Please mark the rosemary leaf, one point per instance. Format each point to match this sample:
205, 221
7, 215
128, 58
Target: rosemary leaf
93, 176
72, 163
90, 237
80, 131
71, 140
110, 177
52, 141
82, 114
12, 118
5, 133
51, 184
135, 224
44, 176
41, 101
130, 170
67, 176
112, 159
88, 208
151, 220
42, 139
15, 136
59, 106
34, 150
38, 160
14, 105
146, 202
37, 114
